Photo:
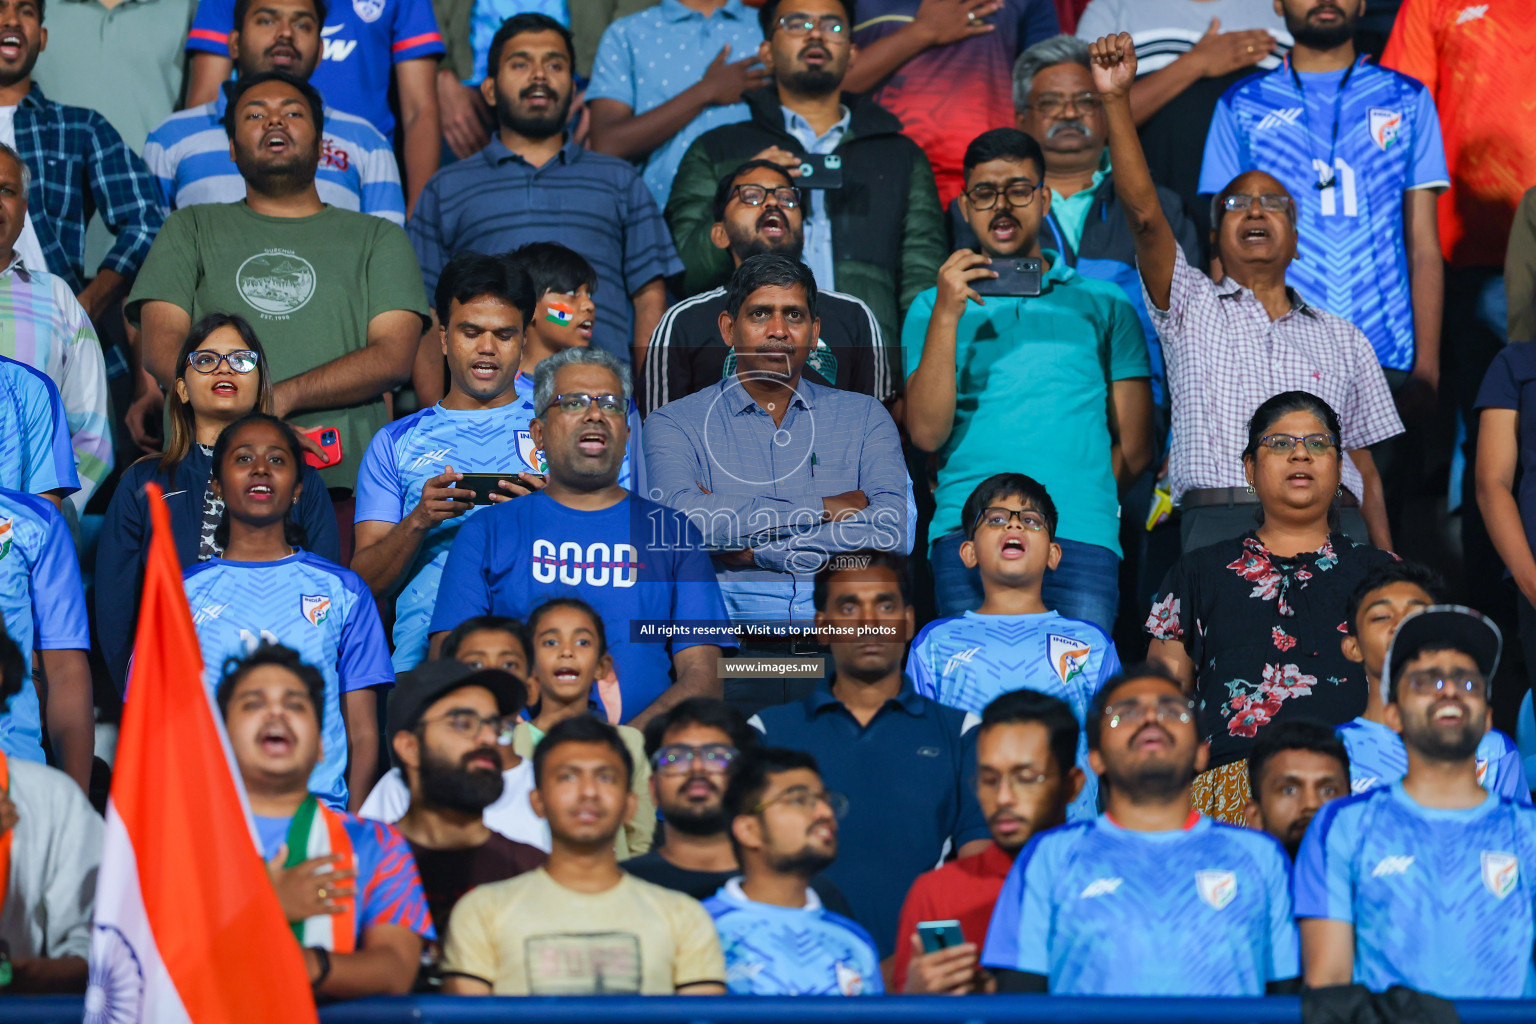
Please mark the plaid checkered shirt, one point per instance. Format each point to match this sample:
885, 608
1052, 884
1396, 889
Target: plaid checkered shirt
1225, 358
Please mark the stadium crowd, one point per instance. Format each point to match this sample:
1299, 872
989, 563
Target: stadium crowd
799, 497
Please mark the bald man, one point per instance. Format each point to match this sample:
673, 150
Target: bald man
1231, 344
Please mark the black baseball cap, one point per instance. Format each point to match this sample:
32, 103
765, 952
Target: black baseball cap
418, 689
1443, 627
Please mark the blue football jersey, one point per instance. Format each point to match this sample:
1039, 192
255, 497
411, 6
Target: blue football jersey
1440, 900
316, 607
37, 455
407, 453
1377, 757
968, 661
785, 951
43, 603
1376, 136
1101, 910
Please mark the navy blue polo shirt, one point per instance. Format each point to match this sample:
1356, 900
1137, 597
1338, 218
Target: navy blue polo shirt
909, 776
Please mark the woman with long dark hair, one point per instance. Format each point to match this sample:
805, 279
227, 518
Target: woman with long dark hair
1253, 625
221, 375
265, 588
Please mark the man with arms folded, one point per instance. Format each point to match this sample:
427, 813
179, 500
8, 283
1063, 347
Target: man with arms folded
1426, 882
1026, 776
777, 938
580, 925
1296, 767
1151, 898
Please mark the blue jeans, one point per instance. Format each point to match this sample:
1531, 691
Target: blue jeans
1086, 585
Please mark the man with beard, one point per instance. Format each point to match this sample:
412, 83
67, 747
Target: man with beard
445, 719
533, 183
1426, 882
782, 474
642, 567
1076, 349
335, 294
187, 151
777, 938
875, 229
693, 748
1295, 768
80, 165
1151, 898
1365, 164
1027, 774
758, 208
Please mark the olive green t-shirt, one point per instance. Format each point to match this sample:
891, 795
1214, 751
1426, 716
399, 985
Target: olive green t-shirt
308, 285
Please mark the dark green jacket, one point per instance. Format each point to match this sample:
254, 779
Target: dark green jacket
888, 231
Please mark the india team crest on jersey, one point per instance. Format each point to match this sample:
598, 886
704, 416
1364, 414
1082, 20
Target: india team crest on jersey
1216, 888
532, 457
1384, 125
368, 10
316, 609
1501, 873
5, 536
850, 982
1069, 657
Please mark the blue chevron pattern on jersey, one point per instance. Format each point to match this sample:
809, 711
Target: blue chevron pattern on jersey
408, 452
1101, 910
42, 602
1441, 900
1351, 256
1377, 757
316, 607
784, 951
967, 661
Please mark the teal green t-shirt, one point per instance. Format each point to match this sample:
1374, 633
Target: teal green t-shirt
1032, 397
1072, 211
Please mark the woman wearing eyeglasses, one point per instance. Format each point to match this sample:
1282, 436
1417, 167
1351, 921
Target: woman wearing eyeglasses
1252, 625
221, 376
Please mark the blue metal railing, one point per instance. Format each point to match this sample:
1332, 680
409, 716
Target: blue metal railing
733, 1010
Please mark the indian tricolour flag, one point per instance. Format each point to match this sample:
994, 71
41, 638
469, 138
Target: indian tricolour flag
188, 929
560, 313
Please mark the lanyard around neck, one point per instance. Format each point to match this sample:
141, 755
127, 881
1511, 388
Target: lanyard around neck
1325, 174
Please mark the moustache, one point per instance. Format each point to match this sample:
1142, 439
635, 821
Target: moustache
1074, 125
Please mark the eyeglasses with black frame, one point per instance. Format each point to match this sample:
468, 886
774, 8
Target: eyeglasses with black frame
679, 758
805, 799
608, 405
801, 24
1019, 193
1274, 202
787, 196
1053, 104
1284, 444
1438, 681
996, 517
467, 722
206, 360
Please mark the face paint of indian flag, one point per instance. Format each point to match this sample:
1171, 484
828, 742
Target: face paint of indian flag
560, 313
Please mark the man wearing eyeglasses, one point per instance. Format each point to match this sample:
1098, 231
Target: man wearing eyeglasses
758, 208
1151, 898
1231, 345
777, 938
1426, 882
642, 566
875, 228
1074, 347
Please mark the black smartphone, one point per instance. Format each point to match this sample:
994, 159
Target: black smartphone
485, 484
821, 170
937, 935
1016, 275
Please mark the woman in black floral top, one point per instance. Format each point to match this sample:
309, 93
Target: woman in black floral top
1254, 624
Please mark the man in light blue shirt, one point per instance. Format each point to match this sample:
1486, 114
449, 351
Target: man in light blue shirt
666, 75
779, 474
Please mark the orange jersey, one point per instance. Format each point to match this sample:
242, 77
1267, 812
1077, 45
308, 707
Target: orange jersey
1476, 57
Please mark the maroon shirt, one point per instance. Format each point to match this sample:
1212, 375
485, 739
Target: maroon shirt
446, 875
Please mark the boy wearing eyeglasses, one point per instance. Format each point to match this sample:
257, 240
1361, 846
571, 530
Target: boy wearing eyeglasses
1376, 753
1014, 640
1426, 882
777, 938
1046, 375
1151, 898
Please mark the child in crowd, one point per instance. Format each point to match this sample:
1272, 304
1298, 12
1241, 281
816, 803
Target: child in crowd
1377, 756
570, 653
1014, 641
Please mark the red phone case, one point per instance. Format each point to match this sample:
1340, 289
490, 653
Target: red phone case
318, 435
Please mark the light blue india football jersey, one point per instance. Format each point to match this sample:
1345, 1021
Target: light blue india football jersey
792, 951
1377, 757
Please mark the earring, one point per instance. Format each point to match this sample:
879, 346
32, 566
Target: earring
1339, 493
1250, 489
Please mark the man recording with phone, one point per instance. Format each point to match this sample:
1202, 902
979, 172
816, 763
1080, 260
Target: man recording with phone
1072, 345
425, 474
